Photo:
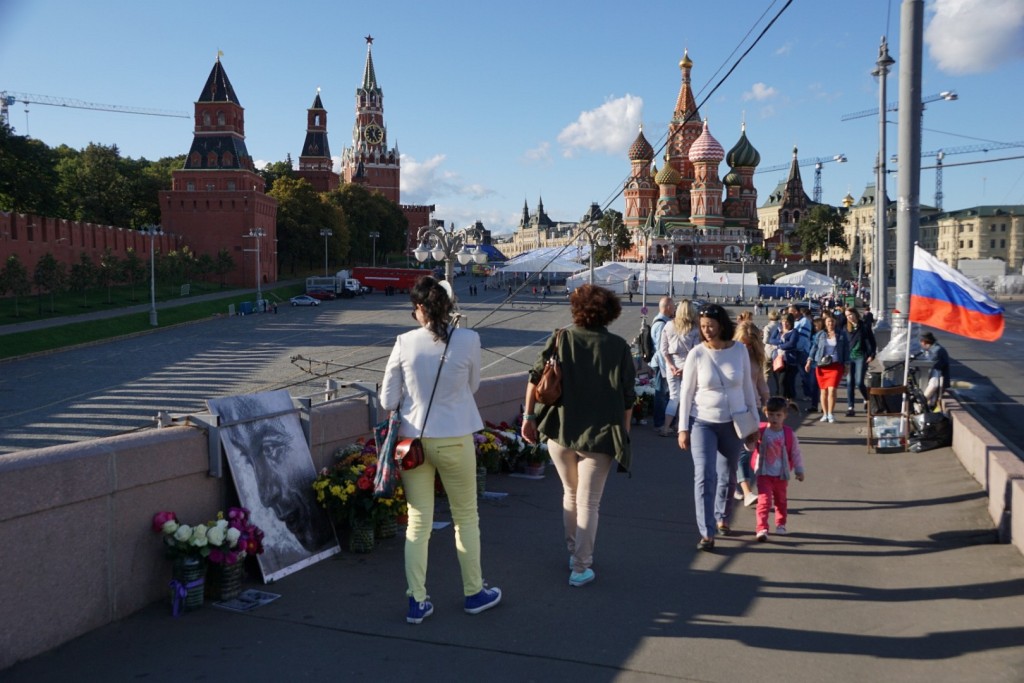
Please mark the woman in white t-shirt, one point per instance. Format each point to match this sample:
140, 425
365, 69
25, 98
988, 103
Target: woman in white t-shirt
716, 384
677, 338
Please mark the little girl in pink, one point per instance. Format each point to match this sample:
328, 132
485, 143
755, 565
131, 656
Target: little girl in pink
777, 454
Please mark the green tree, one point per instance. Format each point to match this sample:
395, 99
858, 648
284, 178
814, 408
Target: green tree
109, 272
758, 252
276, 170
621, 239
27, 174
224, 265
205, 266
133, 270
301, 214
146, 179
93, 186
820, 227
14, 279
49, 277
83, 276
367, 212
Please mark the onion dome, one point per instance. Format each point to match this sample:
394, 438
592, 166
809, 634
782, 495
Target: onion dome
732, 178
641, 150
706, 147
685, 62
667, 176
743, 153
848, 200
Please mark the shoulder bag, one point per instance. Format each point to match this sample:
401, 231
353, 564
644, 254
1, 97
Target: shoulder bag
779, 362
548, 389
745, 421
409, 451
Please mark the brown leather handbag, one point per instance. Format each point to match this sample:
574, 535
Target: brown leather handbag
409, 451
548, 389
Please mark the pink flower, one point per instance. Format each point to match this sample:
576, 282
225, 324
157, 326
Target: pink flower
216, 556
364, 483
161, 518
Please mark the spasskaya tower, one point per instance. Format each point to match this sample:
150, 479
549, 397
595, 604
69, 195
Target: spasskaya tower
368, 161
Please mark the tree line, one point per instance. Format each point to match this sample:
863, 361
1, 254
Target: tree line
98, 185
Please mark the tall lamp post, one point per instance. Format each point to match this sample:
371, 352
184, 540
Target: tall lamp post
879, 277
374, 236
448, 244
595, 236
744, 241
257, 234
153, 231
325, 233
696, 255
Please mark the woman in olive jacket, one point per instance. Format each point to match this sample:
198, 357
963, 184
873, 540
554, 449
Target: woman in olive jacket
862, 351
587, 430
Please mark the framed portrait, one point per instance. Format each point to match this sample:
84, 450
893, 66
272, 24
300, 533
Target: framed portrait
273, 473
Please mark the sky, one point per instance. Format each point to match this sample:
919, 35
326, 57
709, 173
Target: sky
492, 104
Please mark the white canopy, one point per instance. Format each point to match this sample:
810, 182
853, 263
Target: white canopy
536, 264
815, 284
622, 277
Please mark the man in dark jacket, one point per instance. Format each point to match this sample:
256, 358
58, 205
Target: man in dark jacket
938, 377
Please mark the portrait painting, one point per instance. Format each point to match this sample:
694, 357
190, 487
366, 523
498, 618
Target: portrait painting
273, 473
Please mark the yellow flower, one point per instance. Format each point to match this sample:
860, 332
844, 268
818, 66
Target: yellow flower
336, 490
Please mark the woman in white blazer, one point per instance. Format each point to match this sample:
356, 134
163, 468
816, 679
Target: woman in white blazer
447, 435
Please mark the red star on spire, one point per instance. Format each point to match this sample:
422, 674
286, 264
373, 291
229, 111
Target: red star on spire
369, 40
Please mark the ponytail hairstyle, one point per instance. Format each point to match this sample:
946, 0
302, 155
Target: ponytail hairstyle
437, 305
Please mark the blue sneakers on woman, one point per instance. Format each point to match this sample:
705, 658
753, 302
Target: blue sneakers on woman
418, 611
577, 579
484, 600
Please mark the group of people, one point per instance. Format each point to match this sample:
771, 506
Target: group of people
821, 352
708, 369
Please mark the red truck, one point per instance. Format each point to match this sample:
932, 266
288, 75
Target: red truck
400, 279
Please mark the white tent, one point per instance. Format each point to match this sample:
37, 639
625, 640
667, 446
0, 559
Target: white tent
548, 264
815, 284
621, 277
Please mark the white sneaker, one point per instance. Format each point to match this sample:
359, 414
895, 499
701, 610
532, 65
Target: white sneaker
781, 530
738, 495
762, 536
824, 418
749, 499
831, 417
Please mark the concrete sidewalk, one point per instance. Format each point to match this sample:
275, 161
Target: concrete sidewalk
890, 572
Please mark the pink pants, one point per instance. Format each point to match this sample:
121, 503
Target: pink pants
771, 490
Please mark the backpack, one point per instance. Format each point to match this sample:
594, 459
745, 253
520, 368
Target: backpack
646, 342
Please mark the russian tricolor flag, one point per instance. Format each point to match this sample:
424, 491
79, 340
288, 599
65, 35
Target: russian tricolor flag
943, 298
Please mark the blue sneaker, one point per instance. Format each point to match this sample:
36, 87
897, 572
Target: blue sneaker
581, 578
418, 611
484, 600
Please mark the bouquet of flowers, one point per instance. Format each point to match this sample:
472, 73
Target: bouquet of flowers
225, 540
489, 449
345, 489
644, 403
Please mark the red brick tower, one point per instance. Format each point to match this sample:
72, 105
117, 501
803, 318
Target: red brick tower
640, 192
217, 198
315, 163
683, 130
369, 161
706, 193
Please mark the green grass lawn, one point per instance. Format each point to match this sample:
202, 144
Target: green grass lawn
21, 343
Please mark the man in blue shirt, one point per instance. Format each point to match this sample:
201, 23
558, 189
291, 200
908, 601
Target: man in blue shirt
805, 331
666, 309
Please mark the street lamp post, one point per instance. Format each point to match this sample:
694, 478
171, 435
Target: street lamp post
743, 267
153, 231
448, 244
257, 234
595, 236
325, 233
696, 255
374, 236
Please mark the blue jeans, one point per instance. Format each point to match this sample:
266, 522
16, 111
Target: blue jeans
660, 401
855, 373
715, 450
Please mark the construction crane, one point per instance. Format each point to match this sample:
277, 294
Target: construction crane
939, 154
817, 161
947, 95
9, 98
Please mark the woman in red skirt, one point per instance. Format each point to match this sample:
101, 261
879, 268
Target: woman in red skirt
830, 352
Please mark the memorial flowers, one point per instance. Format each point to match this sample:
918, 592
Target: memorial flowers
345, 489
224, 540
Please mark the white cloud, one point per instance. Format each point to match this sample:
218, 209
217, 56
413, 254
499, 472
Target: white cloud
760, 92
785, 48
973, 36
423, 182
610, 128
540, 153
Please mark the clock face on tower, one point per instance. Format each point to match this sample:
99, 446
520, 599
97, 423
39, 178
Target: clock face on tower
374, 134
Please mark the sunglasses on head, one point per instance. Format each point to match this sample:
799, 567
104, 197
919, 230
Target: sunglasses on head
712, 311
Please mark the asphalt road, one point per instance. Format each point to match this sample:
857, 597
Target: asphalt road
121, 385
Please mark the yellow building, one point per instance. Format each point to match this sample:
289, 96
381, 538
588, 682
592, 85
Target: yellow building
980, 232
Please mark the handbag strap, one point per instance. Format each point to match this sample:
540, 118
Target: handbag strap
444, 353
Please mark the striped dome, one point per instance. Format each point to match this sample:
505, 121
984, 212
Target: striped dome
706, 147
641, 150
732, 178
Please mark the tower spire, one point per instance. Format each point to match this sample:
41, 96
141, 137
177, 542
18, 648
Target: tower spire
369, 76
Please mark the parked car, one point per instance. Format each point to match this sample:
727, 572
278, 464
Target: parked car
303, 300
322, 295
